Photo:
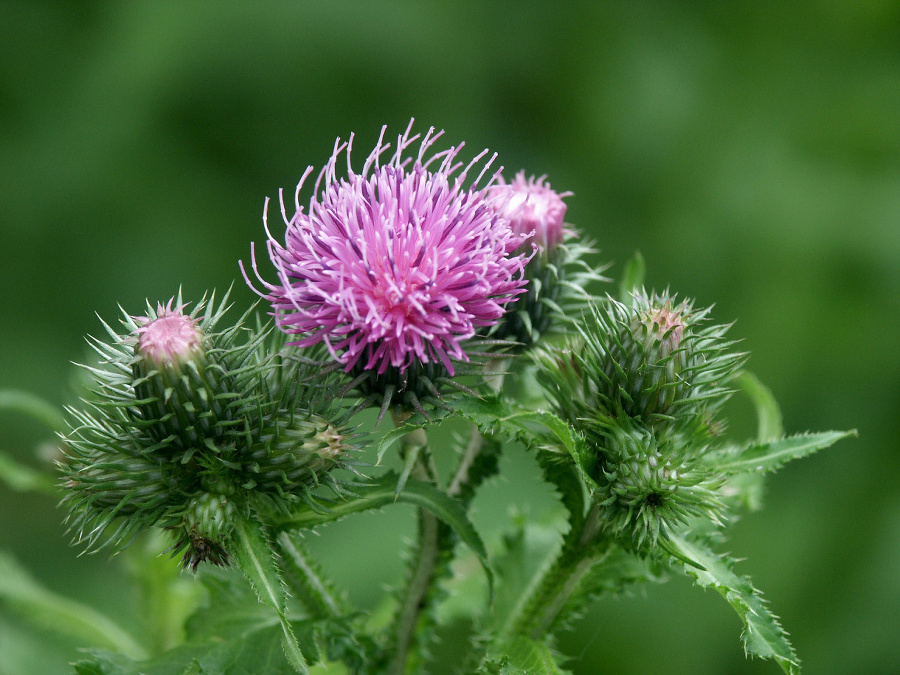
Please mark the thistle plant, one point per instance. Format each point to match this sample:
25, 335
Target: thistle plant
440, 292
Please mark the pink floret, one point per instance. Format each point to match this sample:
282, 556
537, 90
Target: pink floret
170, 338
532, 207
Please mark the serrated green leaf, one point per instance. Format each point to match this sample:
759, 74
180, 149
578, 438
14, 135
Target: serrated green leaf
255, 559
762, 457
763, 636
45, 608
523, 657
258, 649
768, 414
382, 492
539, 426
23, 478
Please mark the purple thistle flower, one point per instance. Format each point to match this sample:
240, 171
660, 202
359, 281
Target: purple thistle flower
398, 264
531, 206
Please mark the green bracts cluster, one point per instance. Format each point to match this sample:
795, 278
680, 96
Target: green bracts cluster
188, 427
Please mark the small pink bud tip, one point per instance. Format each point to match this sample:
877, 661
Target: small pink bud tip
531, 206
170, 338
668, 322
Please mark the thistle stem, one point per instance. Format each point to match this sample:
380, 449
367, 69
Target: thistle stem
470, 454
413, 600
306, 581
550, 589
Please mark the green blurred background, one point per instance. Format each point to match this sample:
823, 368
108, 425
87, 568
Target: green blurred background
751, 151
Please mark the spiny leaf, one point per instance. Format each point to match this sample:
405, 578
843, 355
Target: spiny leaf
760, 457
255, 559
382, 492
762, 635
523, 657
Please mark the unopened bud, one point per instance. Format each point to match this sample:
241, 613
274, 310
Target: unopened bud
206, 531
293, 452
181, 389
648, 485
532, 207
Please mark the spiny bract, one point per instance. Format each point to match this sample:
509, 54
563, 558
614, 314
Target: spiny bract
187, 426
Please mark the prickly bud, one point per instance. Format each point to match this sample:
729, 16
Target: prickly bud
292, 453
648, 484
652, 359
107, 474
182, 391
206, 530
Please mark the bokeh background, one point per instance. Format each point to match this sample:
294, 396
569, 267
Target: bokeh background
750, 151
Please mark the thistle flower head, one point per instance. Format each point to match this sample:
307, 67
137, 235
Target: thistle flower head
652, 358
532, 209
169, 338
188, 426
648, 485
396, 265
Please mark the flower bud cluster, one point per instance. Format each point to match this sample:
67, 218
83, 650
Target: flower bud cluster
642, 382
187, 428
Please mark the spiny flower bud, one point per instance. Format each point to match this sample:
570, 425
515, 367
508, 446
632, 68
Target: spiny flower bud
557, 276
107, 475
652, 359
206, 530
187, 426
293, 451
647, 483
170, 339
182, 392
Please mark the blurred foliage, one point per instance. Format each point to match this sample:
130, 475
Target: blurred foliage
751, 151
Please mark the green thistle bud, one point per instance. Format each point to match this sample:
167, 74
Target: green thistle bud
189, 427
647, 483
108, 475
652, 359
206, 530
182, 391
292, 453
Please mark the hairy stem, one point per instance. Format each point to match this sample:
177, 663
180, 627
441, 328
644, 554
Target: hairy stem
550, 589
413, 600
470, 454
306, 581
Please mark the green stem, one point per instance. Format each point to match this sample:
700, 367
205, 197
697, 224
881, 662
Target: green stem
306, 580
550, 589
462, 478
413, 600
